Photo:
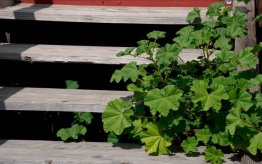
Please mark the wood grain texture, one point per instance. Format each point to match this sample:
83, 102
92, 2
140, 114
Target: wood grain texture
166, 3
67, 100
79, 54
55, 152
99, 14
250, 38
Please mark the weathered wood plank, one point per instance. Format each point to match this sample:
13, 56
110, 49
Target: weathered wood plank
15, 151
80, 54
45, 99
162, 3
98, 14
250, 38
6, 3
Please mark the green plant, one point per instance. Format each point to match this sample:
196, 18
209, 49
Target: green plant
205, 101
81, 120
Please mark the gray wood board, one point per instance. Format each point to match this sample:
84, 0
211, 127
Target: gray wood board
99, 14
68, 100
56, 152
85, 54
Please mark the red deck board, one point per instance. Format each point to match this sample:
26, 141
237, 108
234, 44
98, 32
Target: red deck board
149, 3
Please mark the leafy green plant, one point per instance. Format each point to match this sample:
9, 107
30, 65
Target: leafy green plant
82, 119
200, 102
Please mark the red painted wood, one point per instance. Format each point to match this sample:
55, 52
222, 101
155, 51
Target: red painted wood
151, 3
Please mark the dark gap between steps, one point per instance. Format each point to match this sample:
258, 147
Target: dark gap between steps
95, 34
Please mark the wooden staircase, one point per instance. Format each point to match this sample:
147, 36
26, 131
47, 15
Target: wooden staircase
66, 100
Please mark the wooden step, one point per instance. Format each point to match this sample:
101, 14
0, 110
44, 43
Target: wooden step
98, 14
56, 152
67, 100
80, 54
167, 3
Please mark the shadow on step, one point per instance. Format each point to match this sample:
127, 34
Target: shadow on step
127, 146
5, 93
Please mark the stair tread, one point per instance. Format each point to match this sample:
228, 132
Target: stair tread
80, 54
32, 151
98, 14
47, 99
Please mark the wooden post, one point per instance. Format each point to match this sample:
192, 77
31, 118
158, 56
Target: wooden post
250, 38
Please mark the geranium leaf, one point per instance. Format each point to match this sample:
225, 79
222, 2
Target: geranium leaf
71, 84
213, 155
203, 135
156, 35
155, 143
189, 145
84, 117
208, 100
234, 120
241, 100
116, 116
255, 144
193, 16
163, 100
72, 132
112, 137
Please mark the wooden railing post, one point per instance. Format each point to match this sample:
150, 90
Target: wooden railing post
250, 38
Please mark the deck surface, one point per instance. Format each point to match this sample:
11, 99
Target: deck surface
98, 14
55, 152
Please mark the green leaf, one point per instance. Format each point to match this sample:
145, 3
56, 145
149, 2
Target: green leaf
215, 9
127, 51
116, 116
172, 119
72, 132
258, 18
163, 100
203, 135
189, 145
247, 59
257, 80
214, 155
208, 100
112, 137
117, 76
155, 143
193, 16
129, 71
234, 120
221, 139
225, 55
63, 134
255, 144
259, 100
71, 84
223, 43
166, 55
245, 1
236, 31
184, 40
84, 117
134, 88
241, 100
137, 128
202, 37
156, 35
